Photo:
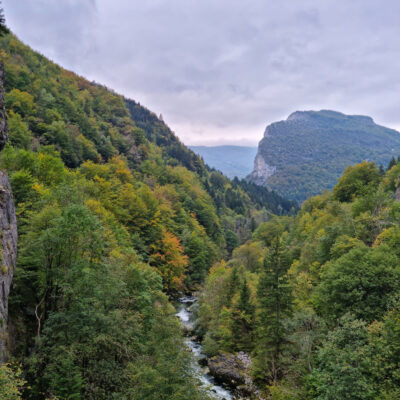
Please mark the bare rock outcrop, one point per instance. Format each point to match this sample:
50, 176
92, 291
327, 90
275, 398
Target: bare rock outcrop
8, 251
3, 118
8, 232
234, 370
262, 171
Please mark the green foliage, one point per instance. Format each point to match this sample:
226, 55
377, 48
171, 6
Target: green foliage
326, 322
87, 307
342, 366
11, 383
22, 183
3, 28
275, 304
357, 180
361, 282
242, 320
20, 136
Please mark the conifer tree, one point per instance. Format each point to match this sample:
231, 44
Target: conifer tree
275, 304
232, 286
3, 28
242, 320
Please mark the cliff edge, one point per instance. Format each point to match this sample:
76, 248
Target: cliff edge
8, 232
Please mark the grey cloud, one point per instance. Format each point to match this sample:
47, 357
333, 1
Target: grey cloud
220, 71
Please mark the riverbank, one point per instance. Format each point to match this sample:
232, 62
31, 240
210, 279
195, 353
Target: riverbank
226, 376
199, 367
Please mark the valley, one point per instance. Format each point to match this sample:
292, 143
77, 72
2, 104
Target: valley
230, 160
134, 267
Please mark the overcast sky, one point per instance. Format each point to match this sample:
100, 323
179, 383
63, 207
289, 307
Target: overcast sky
219, 71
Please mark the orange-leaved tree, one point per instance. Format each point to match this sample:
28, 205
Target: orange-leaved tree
170, 261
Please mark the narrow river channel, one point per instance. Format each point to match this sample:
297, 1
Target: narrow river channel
185, 316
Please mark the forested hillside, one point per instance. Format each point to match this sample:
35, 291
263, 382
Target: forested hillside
305, 154
314, 298
115, 216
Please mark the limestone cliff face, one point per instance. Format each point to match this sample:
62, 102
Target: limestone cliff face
3, 119
261, 171
8, 250
8, 232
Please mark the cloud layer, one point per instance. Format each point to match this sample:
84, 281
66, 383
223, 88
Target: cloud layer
219, 71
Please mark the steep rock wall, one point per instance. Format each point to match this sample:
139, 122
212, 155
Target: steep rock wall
8, 232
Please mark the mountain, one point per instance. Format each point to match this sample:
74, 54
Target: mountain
230, 160
305, 154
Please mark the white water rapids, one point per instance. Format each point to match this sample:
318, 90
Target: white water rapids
216, 391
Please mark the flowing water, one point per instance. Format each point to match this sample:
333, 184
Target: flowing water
185, 315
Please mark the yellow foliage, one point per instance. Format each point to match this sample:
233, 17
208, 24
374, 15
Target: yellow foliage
170, 261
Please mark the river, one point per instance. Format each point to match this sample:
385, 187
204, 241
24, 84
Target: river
185, 315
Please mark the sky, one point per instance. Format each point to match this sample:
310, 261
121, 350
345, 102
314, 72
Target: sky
220, 71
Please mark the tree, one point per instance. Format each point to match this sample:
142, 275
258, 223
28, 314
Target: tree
170, 261
20, 102
249, 255
361, 282
233, 285
3, 28
342, 370
357, 180
242, 320
199, 258
384, 354
232, 241
275, 304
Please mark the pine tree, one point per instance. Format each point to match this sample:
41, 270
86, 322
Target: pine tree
253, 224
233, 284
242, 320
275, 304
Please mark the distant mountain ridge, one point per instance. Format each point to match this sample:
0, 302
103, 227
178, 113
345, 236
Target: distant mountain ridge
231, 160
306, 153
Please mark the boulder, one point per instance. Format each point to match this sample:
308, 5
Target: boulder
228, 369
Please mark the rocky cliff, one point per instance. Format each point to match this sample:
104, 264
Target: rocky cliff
306, 153
3, 118
8, 232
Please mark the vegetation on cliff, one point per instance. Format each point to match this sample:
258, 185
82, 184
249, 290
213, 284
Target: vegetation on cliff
311, 149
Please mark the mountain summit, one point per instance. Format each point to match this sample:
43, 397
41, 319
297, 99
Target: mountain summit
306, 153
